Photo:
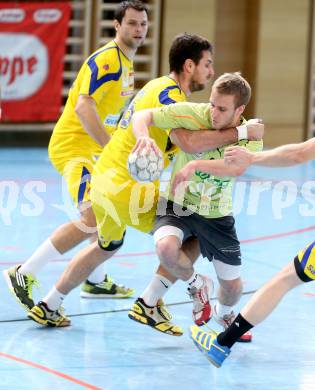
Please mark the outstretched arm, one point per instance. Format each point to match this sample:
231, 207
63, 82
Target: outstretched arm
281, 156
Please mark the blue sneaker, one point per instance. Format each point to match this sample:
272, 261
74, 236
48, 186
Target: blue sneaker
207, 343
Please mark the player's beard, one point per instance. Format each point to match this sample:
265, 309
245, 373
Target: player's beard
129, 42
194, 86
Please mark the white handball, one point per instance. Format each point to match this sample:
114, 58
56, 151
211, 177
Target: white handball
146, 167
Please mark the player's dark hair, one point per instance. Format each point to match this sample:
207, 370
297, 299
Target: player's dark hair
124, 5
234, 84
187, 46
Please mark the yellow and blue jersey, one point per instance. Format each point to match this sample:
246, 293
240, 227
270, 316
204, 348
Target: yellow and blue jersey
157, 93
115, 196
107, 76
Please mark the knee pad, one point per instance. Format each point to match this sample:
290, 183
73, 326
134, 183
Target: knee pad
113, 245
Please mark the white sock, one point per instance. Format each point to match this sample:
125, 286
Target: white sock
222, 310
98, 275
156, 289
54, 299
40, 258
195, 280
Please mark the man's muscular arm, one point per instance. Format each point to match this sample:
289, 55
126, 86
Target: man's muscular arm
90, 120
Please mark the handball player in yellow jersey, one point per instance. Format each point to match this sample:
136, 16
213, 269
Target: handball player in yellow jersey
117, 199
101, 91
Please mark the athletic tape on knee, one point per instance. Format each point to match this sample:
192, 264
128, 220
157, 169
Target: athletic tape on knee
168, 230
226, 271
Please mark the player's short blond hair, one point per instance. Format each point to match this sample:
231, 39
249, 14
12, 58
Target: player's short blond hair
234, 84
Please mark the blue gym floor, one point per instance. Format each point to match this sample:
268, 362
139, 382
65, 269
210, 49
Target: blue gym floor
104, 349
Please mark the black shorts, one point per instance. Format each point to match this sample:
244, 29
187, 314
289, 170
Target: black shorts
217, 236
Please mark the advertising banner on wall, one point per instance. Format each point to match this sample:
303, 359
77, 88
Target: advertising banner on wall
32, 47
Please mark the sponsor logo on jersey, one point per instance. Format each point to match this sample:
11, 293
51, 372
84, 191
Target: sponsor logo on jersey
111, 120
125, 120
127, 78
131, 79
126, 93
171, 156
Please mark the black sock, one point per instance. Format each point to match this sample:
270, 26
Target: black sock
230, 336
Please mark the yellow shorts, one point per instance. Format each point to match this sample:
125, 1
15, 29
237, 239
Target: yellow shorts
305, 263
74, 156
134, 205
76, 173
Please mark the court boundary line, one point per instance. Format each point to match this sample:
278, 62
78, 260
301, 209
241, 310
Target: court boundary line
50, 371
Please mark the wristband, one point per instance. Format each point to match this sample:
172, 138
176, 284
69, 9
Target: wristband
242, 132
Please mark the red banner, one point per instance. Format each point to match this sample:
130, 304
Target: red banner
32, 48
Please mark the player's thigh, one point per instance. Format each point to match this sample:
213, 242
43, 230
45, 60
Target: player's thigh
218, 240
191, 248
76, 174
109, 226
168, 223
87, 214
126, 206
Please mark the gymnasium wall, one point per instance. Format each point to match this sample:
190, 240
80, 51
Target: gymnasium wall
179, 17
267, 40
